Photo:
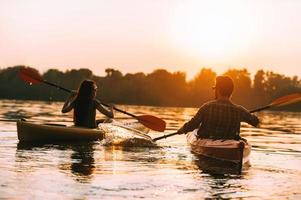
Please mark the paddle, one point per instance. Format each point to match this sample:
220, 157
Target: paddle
285, 100
281, 101
32, 76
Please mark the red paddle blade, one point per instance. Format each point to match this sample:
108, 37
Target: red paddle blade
288, 99
152, 122
30, 76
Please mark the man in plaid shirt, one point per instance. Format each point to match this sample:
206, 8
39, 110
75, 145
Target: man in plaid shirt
220, 118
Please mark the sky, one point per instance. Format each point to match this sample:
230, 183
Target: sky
143, 35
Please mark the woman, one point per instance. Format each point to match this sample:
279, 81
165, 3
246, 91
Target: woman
84, 104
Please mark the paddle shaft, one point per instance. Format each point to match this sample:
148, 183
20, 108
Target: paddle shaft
69, 91
165, 136
260, 109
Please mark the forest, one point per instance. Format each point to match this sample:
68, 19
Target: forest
158, 88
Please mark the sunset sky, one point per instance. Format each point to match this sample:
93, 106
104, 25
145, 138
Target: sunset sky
142, 35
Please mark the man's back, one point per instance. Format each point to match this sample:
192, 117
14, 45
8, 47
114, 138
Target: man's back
220, 119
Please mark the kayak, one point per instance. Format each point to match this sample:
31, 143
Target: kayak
29, 131
236, 151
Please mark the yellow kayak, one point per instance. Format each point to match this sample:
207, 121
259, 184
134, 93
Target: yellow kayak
29, 131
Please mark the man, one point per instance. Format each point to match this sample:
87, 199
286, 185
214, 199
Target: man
220, 118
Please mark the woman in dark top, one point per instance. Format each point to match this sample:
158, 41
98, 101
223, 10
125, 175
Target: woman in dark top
85, 105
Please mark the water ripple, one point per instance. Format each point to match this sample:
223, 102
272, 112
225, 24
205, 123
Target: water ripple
170, 171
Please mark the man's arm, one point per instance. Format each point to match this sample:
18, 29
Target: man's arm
194, 123
248, 117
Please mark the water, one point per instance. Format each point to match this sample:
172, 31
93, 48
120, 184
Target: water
95, 171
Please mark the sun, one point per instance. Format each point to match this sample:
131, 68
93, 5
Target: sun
212, 29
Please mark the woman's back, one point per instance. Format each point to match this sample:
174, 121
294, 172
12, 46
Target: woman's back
84, 104
84, 113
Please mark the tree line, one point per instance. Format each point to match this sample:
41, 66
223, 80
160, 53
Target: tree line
158, 88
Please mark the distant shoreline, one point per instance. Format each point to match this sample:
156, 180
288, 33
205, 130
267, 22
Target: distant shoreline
159, 88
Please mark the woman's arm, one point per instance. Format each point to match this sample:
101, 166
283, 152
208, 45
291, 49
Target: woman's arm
68, 105
107, 112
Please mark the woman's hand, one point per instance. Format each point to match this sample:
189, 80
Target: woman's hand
68, 103
111, 106
112, 109
180, 131
108, 111
73, 93
72, 96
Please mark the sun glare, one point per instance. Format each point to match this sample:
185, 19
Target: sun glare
212, 29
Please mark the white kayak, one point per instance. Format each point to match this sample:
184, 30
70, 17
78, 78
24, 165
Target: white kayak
237, 151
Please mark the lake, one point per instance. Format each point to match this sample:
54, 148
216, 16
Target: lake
96, 171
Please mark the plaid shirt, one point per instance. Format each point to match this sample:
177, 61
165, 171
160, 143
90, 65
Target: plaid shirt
219, 119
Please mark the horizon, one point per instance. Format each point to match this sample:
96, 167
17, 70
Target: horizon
251, 75
172, 35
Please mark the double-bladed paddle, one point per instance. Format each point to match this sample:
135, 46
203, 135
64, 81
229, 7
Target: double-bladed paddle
281, 101
32, 76
285, 100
